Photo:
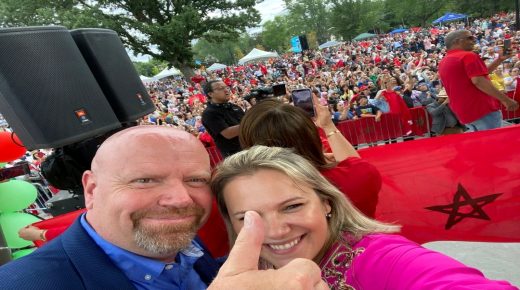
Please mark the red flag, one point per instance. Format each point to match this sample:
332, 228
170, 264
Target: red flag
462, 187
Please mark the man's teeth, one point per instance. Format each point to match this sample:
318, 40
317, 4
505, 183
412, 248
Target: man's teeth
285, 246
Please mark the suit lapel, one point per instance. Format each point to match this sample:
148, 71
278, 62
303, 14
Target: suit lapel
95, 268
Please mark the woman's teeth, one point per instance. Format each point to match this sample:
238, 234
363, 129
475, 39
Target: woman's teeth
285, 246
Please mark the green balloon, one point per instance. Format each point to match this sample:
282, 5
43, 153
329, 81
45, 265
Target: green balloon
11, 223
16, 195
21, 253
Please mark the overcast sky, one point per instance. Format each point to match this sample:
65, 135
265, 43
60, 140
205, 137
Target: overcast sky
268, 10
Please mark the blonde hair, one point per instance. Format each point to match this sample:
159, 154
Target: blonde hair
344, 216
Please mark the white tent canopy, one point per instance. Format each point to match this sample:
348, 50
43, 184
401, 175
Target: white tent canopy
216, 66
328, 44
256, 55
146, 79
167, 73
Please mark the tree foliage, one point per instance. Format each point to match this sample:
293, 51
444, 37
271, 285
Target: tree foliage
305, 16
163, 29
276, 34
151, 67
348, 18
226, 51
166, 29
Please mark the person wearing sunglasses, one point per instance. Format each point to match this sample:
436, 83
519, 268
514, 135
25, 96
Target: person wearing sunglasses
473, 98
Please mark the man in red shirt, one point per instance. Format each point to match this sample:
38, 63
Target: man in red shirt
473, 98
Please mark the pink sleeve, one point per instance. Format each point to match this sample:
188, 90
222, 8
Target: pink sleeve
393, 262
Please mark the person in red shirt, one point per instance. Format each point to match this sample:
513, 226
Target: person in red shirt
473, 98
397, 104
197, 79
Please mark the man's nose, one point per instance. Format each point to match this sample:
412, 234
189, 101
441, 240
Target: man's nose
176, 194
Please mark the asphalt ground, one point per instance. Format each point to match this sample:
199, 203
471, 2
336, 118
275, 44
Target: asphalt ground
498, 261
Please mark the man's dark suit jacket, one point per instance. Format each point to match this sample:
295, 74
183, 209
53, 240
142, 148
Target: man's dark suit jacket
74, 261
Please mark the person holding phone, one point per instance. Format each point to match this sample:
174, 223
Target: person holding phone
473, 98
272, 123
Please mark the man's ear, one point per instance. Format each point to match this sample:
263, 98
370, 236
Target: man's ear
89, 184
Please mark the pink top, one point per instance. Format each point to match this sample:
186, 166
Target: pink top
383, 261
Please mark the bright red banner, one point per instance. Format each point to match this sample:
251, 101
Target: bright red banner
458, 187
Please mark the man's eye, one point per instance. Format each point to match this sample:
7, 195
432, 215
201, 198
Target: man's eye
196, 181
143, 180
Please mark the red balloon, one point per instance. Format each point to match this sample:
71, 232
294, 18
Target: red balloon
11, 148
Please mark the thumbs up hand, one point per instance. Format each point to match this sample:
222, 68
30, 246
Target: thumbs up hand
241, 268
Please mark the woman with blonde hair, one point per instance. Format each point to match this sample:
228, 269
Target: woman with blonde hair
307, 217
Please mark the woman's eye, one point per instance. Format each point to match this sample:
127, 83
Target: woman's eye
293, 206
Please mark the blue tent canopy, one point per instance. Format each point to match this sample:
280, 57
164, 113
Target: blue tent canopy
398, 30
450, 16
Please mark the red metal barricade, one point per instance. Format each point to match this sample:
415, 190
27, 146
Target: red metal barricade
422, 122
511, 115
367, 130
390, 127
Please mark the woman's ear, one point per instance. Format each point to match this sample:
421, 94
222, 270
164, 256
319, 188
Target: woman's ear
326, 206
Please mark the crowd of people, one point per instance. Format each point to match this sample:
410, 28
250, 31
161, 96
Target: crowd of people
150, 189
281, 190
356, 79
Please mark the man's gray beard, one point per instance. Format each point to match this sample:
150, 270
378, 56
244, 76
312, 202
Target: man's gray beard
166, 239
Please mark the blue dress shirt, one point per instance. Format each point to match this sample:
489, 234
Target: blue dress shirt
146, 273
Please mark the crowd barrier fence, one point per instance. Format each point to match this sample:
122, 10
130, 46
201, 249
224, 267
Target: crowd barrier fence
511, 116
366, 131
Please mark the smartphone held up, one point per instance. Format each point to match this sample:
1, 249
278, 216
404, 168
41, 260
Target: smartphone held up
302, 98
507, 46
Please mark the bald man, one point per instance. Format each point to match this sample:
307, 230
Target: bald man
473, 98
146, 195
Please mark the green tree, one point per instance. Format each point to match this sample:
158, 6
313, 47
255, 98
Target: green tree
414, 12
163, 29
276, 35
151, 67
481, 8
307, 16
352, 17
227, 51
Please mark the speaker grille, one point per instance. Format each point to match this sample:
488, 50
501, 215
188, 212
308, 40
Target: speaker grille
115, 73
44, 82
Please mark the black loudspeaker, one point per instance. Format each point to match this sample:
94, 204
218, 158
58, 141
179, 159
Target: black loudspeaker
303, 42
47, 91
115, 73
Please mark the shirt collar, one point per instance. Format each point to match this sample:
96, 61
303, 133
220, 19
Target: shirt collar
140, 268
